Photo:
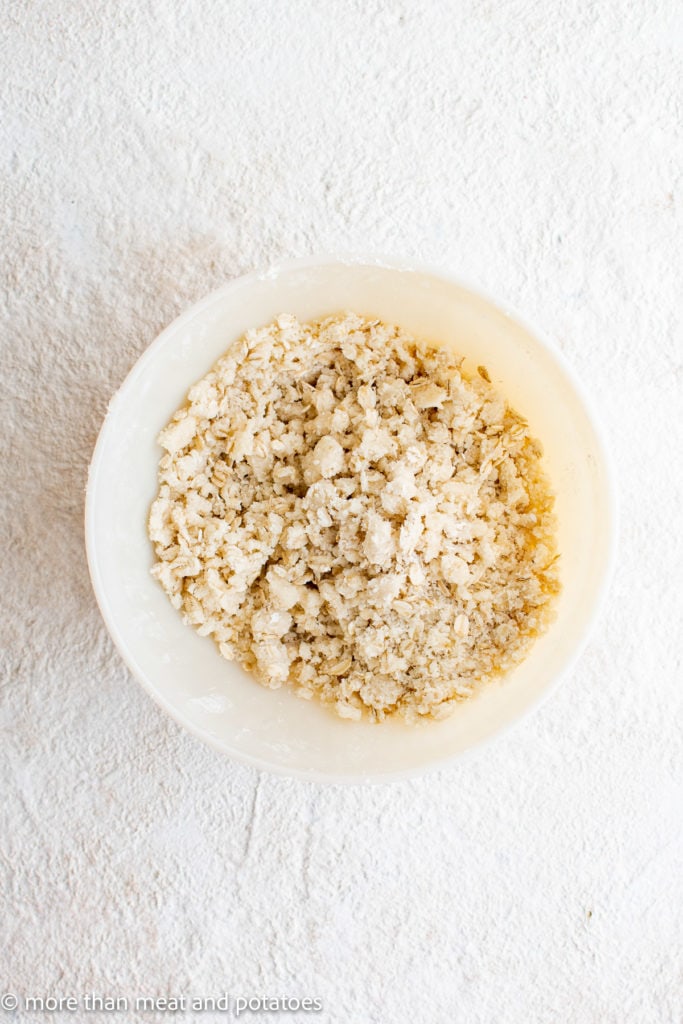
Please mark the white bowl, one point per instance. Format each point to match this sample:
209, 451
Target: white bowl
185, 674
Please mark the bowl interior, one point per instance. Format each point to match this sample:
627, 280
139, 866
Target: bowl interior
184, 672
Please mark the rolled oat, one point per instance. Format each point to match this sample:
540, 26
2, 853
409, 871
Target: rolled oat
343, 511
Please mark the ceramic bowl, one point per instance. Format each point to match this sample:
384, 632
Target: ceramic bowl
184, 673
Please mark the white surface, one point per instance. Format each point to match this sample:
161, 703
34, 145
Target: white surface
185, 672
149, 151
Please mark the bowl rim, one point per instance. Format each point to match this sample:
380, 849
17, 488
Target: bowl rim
384, 262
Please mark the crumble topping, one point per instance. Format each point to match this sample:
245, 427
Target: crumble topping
344, 512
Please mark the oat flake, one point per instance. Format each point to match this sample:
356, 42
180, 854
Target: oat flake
344, 512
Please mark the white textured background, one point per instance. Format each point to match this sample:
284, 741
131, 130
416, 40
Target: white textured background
150, 151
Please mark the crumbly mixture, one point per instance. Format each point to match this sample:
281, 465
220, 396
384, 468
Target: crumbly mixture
345, 513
